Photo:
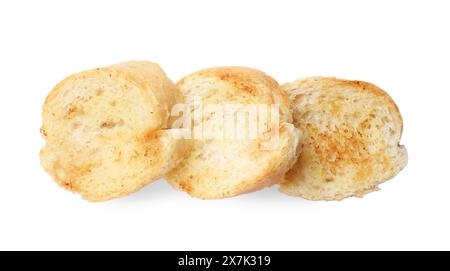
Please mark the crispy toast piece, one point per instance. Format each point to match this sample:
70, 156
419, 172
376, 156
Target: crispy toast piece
106, 130
219, 168
351, 131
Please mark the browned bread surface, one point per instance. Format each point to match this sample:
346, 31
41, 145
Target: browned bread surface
351, 132
105, 130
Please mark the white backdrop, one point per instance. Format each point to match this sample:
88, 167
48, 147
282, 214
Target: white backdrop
402, 46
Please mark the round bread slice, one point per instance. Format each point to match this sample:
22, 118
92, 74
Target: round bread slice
221, 166
351, 131
106, 130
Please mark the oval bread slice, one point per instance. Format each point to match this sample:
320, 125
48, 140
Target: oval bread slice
106, 130
351, 131
220, 168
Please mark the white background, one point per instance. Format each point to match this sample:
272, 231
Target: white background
402, 46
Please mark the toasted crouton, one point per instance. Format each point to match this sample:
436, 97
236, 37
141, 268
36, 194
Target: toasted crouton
220, 168
351, 131
105, 130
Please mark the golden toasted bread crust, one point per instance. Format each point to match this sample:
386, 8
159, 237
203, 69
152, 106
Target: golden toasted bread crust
104, 130
352, 131
225, 168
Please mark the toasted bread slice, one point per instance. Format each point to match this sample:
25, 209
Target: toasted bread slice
351, 131
224, 167
105, 130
